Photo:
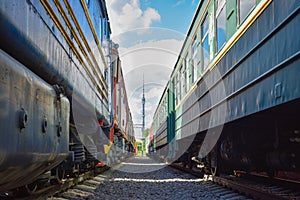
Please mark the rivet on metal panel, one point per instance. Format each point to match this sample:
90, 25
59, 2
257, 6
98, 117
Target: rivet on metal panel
44, 125
4, 74
23, 118
37, 95
59, 130
278, 90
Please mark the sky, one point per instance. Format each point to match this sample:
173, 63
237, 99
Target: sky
150, 34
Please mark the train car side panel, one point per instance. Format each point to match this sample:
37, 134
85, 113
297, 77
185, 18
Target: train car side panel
34, 125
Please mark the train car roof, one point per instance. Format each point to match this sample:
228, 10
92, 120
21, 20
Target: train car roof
104, 11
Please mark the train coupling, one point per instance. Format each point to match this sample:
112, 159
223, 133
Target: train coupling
200, 164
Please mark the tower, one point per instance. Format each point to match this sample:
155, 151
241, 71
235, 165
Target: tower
143, 107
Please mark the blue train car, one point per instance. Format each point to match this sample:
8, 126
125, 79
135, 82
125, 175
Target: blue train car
55, 87
235, 89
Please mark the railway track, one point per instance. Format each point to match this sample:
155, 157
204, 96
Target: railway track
50, 190
257, 190
242, 186
256, 187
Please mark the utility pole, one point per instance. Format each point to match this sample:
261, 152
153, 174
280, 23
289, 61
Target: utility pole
143, 109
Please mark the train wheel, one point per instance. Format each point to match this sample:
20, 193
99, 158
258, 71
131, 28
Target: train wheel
31, 188
214, 171
58, 176
214, 164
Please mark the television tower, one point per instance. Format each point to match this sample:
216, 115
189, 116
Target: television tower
143, 109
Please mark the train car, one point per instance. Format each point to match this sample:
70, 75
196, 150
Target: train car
56, 86
233, 99
123, 124
151, 147
159, 127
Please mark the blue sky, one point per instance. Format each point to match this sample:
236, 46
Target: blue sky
175, 15
171, 14
150, 34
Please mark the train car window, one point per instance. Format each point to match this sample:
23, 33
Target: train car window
195, 59
177, 88
205, 44
190, 75
188, 71
221, 23
182, 81
244, 8
166, 106
164, 109
100, 29
173, 89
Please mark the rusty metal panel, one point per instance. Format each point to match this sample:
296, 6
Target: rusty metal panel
34, 123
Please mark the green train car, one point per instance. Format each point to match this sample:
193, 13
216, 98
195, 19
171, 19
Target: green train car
233, 98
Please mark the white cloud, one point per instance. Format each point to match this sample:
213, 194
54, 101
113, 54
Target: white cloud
152, 98
178, 3
154, 92
155, 61
162, 52
144, 51
127, 15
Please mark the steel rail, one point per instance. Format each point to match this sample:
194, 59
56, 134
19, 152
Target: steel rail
253, 186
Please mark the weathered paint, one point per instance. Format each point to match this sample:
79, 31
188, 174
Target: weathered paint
34, 123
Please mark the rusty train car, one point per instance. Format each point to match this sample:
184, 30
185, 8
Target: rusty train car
57, 87
233, 99
122, 118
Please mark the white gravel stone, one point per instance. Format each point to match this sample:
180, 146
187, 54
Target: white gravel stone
144, 178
